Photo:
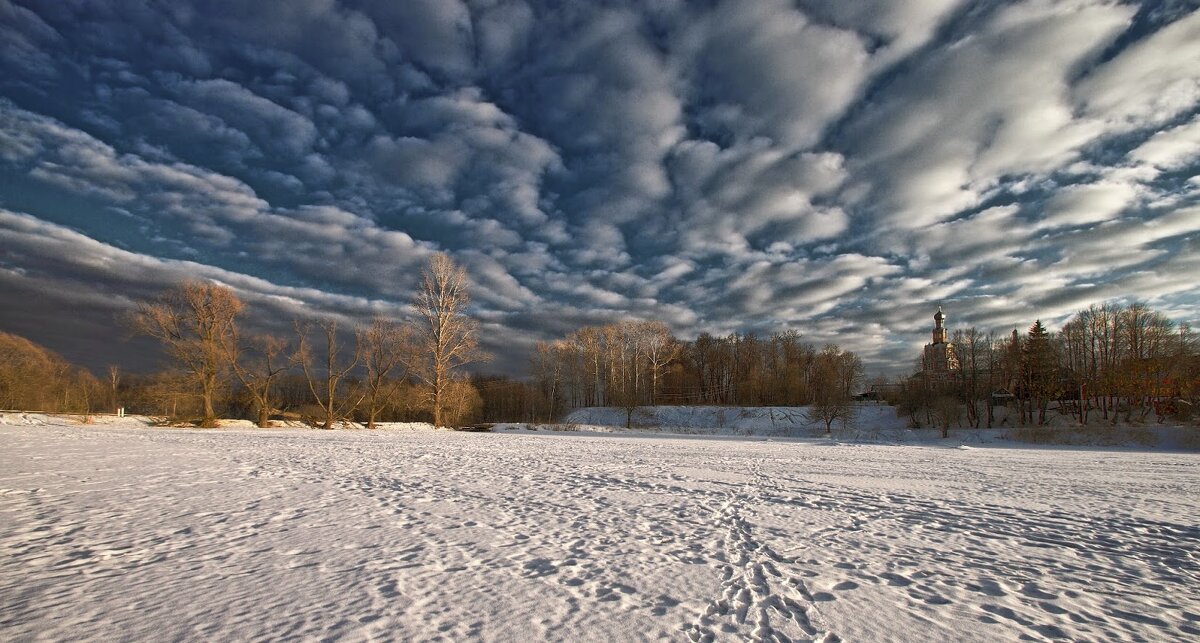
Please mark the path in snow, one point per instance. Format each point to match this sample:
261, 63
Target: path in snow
119, 532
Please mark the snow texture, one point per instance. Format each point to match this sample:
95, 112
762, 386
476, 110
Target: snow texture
872, 423
776, 421
121, 531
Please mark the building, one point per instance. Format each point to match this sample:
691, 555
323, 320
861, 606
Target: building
939, 364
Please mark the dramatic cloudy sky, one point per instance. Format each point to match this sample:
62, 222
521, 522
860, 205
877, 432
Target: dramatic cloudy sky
835, 167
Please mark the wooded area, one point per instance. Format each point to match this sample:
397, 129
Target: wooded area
632, 364
1110, 361
322, 374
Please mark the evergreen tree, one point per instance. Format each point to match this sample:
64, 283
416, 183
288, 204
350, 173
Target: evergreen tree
1040, 370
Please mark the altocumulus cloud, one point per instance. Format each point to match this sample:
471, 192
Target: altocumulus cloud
837, 168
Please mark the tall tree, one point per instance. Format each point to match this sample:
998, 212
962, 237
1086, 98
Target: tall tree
446, 338
1040, 369
258, 372
970, 346
549, 361
324, 378
660, 349
387, 350
837, 373
114, 380
86, 389
196, 324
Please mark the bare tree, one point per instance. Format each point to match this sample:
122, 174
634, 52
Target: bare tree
660, 348
195, 323
446, 339
624, 394
169, 394
549, 360
969, 346
836, 373
461, 402
114, 380
258, 376
386, 348
324, 379
946, 411
87, 388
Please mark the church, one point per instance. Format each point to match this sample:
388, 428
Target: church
939, 364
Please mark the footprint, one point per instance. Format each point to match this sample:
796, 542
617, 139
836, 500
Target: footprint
895, 580
1051, 608
1032, 591
988, 587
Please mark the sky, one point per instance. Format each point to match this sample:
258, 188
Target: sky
837, 168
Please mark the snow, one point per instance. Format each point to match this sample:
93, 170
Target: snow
122, 531
872, 423
776, 421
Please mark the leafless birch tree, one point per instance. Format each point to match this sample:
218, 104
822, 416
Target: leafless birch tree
446, 338
660, 348
114, 380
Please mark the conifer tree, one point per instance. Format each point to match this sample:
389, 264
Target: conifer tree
1040, 369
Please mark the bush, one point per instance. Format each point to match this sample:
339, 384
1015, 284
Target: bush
1035, 435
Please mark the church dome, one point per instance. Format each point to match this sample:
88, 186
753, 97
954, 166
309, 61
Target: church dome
938, 316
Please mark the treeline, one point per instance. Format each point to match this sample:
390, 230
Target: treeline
1132, 354
33, 377
1109, 361
321, 373
639, 363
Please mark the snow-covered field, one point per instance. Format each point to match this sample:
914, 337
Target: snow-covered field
124, 532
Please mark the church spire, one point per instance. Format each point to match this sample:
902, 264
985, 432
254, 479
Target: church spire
939, 328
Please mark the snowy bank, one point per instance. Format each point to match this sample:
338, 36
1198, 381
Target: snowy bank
771, 421
872, 423
25, 418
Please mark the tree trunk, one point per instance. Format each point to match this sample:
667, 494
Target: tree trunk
653, 383
437, 401
1082, 405
327, 424
210, 415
